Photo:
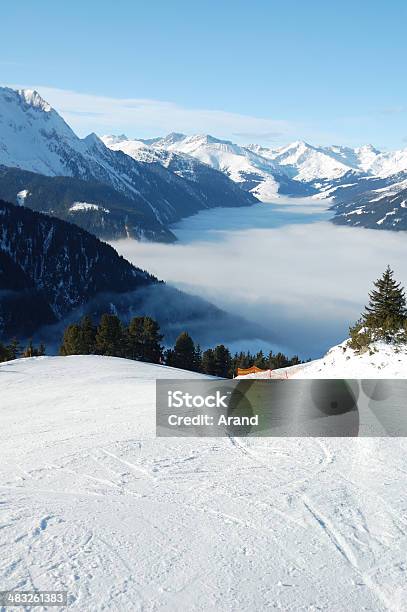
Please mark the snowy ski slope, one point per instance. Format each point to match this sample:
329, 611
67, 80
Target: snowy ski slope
92, 503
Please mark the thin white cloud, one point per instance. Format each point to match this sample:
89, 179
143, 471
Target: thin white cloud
146, 118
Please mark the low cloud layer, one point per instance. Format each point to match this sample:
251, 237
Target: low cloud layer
305, 283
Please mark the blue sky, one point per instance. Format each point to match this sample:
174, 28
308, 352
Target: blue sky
264, 71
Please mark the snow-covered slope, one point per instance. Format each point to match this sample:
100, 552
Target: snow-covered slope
342, 173
209, 184
251, 171
266, 171
382, 208
306, 163
93, 503
386, 163
34, 137
184, 165
135, 148
384, 361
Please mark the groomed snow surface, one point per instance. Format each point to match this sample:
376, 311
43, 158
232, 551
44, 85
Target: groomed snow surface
92, 503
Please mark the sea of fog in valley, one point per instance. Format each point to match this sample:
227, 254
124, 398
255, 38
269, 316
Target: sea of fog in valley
282, 265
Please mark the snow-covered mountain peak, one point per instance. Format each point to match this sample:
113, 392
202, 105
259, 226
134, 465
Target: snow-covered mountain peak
207, 139
187, 144
300, 145
112, 139
166, 141
92, 138
366, 156
32, 134
307, 163
367, 148
137, 149
34, 137
35, 140
33, 98
247, 167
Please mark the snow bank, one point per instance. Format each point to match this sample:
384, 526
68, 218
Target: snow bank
386, 361
79, 206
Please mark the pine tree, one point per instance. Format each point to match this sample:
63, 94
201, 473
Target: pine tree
387, 303
208, 364
134, 340
153, 350
169, 357
144, 340
79, 338
198, 359
14, 349
29, 350
183, 354
32, 351
71, 341
223, 361
110, 337
87, 336
260, 360
278, 360
4, 354
384, 318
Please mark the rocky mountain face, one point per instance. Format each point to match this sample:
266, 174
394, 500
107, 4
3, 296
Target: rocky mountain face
379, 208
49, 267
34, 138
53, 272
94, 206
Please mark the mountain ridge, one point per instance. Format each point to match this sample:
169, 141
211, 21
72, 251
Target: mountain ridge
151, 183
49, 267
35, 138
298, 168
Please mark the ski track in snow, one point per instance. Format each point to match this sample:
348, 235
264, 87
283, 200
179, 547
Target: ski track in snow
92, 503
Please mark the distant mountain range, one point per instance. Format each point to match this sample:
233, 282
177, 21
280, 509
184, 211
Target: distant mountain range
252, 172
147, 196
355, 179
117, 187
